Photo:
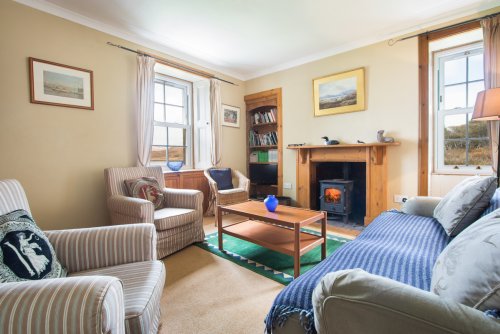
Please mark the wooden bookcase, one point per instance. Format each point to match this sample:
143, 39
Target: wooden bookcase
267, 105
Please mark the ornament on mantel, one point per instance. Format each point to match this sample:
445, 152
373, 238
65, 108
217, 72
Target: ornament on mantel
382, 139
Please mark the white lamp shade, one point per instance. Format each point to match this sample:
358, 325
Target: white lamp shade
487, 107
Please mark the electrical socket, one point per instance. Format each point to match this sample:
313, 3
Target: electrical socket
287, 185
400, 198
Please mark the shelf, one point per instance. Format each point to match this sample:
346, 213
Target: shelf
263, 163
263, 124
263, 147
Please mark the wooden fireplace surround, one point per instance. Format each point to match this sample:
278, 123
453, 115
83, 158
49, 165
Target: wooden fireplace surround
373, 154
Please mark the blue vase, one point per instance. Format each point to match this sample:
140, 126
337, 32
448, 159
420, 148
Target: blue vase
271, 203
175, 165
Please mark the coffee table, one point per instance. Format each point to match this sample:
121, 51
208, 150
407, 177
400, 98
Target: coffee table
278, 231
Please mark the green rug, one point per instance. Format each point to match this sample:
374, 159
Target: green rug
268, 263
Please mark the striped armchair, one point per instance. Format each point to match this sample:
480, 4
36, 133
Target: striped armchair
179, 223
114, 282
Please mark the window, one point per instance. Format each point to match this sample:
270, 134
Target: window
172, 138
461, 144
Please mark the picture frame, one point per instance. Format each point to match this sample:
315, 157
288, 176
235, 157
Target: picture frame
339, 93
230, 116
60, 85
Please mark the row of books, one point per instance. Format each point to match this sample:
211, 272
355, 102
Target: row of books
265, 117
264, 139
264, 156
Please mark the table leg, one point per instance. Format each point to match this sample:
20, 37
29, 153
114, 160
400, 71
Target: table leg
323, 235
296, 251
219, 227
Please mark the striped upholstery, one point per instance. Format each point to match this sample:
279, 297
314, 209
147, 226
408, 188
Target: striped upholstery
92, 248
12, 197
88, 302
63, 305
142, 289
172, 221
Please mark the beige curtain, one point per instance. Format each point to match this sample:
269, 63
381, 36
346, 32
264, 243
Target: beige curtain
145, 108
491, 35
216, 110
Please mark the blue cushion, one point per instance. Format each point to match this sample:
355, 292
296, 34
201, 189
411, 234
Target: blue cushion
223, 177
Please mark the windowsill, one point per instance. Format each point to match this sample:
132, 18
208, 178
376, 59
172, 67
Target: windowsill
187, 170
458, 172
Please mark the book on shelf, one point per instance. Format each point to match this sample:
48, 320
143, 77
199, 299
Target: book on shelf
254, 156
263, 117
263, 156
262, 139
273, 155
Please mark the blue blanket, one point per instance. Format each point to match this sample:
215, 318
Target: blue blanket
395, 245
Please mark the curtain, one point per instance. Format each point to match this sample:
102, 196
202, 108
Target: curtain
491, 35
145, 108
216, 109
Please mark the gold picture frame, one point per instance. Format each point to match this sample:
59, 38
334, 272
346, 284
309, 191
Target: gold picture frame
339, 93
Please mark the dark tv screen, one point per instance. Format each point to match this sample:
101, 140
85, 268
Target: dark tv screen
264, 174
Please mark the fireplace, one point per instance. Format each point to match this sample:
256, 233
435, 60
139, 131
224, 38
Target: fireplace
336, 197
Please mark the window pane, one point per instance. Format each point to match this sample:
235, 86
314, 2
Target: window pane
479, 152
174, 95
177, 154
158, 92
454, 97
454, 71
454, 152
176, 137
158, 153
160, 135
159, 112
478, 129
476, 71
474, 88
454, 126
175, 114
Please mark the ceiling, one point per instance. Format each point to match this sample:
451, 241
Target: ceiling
247, 39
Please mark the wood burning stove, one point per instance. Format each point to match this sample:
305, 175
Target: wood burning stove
336, 196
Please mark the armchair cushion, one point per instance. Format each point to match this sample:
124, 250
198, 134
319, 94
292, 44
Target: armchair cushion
25, 251
168, 218
223, 177
146, 188
142, 289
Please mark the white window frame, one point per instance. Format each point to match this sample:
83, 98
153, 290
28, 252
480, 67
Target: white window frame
440, 113
187, 87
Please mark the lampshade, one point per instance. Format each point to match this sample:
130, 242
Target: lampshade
487, 107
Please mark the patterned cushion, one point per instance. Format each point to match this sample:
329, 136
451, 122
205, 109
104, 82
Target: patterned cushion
464, 203
146, 188
468, 269
174, 217
25, 251
142, 288
223, 177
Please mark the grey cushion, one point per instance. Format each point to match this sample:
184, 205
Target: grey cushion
468, 269
464, 203
421, 205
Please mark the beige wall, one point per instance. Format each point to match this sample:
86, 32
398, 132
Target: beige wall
59, 154
392, 105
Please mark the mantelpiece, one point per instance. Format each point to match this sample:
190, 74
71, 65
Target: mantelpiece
373, 154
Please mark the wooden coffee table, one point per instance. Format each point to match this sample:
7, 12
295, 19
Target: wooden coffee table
278, 231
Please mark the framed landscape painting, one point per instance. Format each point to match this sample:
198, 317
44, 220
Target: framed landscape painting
339, 93
230, 116
60, 85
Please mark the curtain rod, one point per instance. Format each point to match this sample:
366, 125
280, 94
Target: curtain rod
391, 42
173, 64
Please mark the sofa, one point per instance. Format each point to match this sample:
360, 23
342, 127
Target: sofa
114, 281
380, 283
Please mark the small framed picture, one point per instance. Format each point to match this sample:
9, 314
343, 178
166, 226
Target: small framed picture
61, 85
230, 116
339, 93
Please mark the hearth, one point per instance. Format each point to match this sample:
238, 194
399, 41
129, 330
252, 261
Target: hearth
335, 197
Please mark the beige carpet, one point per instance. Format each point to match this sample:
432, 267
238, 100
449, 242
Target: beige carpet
207, 294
